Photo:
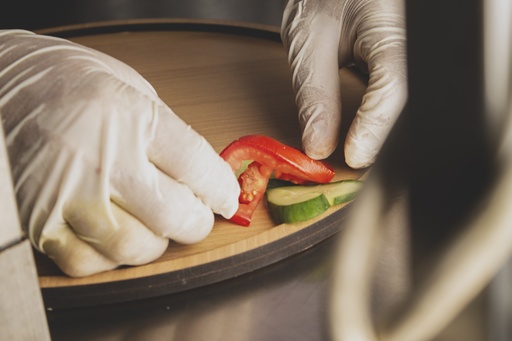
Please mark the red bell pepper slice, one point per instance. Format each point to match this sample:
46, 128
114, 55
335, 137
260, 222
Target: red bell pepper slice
253, 183
269, 155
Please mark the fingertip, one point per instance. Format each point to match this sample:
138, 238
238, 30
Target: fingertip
318, 150
371, 126
319, 139
194, 229
359, 154
187, 157
232, 191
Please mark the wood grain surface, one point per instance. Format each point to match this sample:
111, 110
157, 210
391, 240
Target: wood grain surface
226, 80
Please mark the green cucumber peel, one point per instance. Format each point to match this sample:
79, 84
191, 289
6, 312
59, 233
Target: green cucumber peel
296, 203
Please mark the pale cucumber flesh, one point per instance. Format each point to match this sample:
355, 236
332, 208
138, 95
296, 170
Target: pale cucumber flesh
292, 204
341, 191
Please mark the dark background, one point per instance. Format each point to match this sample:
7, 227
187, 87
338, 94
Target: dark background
37, 14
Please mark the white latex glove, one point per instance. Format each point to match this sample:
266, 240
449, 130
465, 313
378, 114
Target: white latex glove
322, 36
104, 172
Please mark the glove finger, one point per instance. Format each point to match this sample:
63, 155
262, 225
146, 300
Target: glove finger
385, 56
169, 208
113, 232
72, 255
381, 106
184, 155
311, 39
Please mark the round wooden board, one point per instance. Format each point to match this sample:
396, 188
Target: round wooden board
226, 80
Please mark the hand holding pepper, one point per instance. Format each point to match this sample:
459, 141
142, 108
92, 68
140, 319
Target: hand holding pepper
323, 36
104, 172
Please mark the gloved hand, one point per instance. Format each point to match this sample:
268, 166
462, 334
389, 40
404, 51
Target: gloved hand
104, 172
322, 36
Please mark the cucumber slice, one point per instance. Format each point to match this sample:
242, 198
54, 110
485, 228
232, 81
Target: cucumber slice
286, 206
291, 204
341, 191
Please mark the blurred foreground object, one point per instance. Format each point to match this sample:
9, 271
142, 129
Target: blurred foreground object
21, 312
431, 228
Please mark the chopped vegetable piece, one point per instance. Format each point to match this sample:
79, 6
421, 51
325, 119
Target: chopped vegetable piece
269, 156
288, 163
291, 204
253, 183
285, 211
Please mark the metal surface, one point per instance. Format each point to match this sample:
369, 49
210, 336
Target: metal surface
286, 301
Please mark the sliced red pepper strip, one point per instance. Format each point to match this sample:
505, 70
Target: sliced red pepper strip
285, 160
292, 164
253, 183
269, 156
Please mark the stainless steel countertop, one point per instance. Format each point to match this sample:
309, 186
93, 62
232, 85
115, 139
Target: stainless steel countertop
285, 301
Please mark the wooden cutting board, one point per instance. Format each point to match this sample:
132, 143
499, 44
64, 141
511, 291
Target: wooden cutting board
226, 80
